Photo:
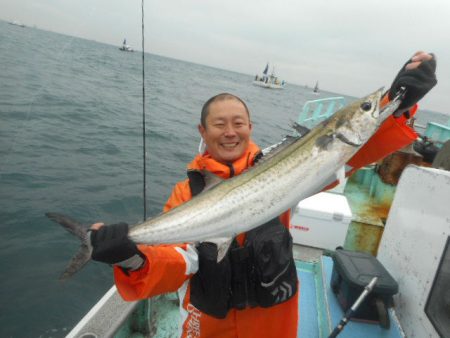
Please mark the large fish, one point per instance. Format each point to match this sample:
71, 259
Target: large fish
298, 168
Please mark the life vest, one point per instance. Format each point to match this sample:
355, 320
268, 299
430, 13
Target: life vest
261, 272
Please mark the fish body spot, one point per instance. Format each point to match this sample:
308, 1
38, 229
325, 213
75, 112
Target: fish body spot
323, 141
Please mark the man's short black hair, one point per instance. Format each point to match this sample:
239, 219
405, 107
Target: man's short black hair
219, 97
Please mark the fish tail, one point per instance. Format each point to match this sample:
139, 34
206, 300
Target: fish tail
79, 230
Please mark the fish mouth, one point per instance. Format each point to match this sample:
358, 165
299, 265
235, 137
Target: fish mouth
377, 102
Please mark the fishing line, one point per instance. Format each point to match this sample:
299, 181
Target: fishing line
143, 116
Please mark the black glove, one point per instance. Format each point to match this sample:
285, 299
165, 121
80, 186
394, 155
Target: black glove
111, 245
417, 82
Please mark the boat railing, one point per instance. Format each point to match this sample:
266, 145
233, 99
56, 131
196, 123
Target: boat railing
438, 133
105, 317
316, 111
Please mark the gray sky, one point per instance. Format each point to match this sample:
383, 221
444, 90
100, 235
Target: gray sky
350, 46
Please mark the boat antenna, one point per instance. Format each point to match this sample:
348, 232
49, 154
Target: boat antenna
143, 115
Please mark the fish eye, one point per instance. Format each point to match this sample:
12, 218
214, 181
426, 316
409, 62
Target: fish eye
366, 106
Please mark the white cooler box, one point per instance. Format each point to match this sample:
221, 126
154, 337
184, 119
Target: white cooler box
321, 221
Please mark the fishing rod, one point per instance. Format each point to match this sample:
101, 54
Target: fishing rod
351, 311
143, 116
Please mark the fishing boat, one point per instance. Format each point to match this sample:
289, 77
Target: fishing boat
16, 23
125, 47
316, 88
379, 216
268, 81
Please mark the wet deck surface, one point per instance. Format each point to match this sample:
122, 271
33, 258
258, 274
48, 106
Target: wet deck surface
308, 320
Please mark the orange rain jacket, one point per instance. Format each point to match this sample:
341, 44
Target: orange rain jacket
166, 269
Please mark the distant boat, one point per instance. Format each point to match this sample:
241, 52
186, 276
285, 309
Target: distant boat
16, 23
316, 88
269, 81
125, 47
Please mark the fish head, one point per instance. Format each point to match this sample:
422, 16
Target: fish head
357, 122
371, 104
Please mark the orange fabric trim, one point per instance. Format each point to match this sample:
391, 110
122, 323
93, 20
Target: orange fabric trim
153, 279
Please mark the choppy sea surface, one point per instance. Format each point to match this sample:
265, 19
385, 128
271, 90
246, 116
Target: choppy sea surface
71, 142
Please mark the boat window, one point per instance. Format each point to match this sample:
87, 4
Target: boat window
438, 303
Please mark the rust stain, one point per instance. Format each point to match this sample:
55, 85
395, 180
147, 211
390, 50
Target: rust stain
364, 237
366, 228
379, 210
371, 212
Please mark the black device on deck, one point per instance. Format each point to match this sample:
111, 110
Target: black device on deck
352, 271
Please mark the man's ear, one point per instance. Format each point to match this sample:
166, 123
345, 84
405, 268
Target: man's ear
201, 130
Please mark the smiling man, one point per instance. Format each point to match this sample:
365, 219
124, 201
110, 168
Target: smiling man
225, 127
225, 299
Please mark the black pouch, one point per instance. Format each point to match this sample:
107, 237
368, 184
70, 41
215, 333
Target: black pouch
210, 286
274, 272
242, 294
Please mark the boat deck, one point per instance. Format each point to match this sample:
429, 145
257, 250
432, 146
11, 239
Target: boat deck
159, 317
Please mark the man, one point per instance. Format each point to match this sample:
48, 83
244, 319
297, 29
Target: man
238, 296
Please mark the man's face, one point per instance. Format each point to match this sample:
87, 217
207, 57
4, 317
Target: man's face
228, 130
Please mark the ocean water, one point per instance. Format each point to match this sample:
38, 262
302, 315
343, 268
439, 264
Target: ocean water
71, 142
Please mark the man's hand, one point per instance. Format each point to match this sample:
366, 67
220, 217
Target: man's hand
111, 245
418, 76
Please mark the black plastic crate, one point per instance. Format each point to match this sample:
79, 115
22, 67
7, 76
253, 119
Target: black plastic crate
352, 271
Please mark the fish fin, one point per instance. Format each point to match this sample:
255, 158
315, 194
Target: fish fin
301, 130
276, 148
223, 244
324, 141
79, 230
71, 225
211, 180
77, 262
349, 139
269, 152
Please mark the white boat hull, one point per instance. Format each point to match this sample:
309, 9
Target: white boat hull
268, 85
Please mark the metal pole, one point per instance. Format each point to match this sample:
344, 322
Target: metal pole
143, 118
354, 307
